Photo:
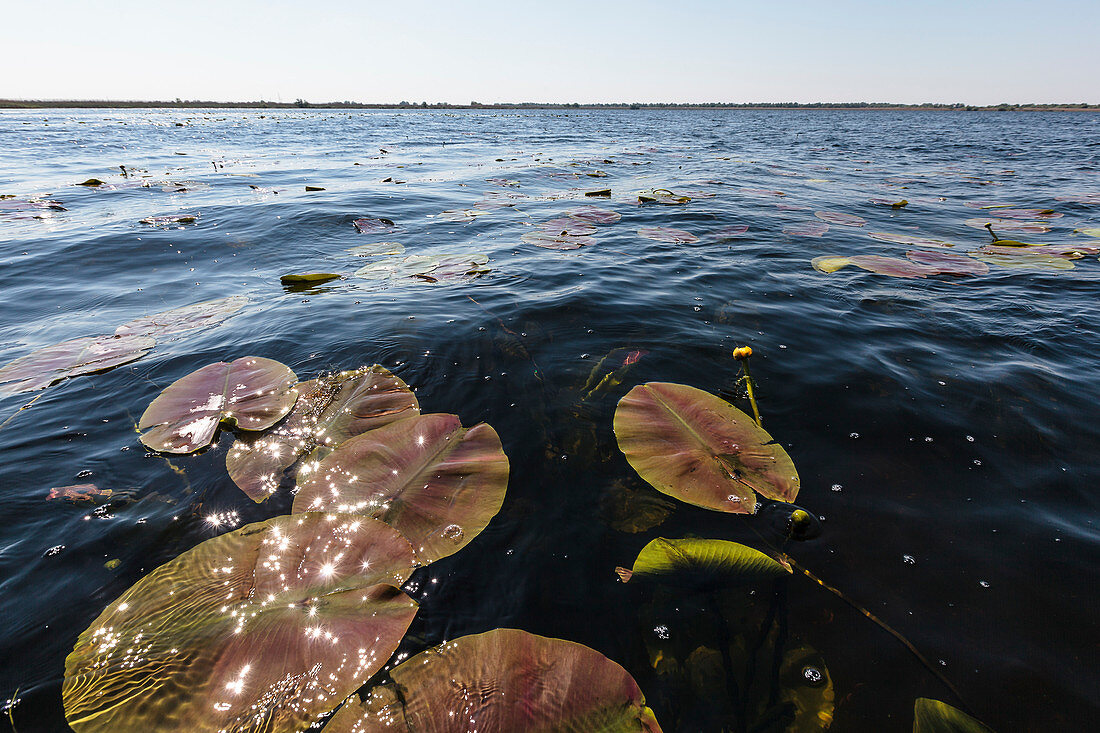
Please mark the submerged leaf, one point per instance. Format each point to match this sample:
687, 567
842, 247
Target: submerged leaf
461, 215
728, 232
667, 234
264, 628
253, 392
377, 248
909, 239
435, 481
807, 229
329, 410
700, 449
692, 561
933, 716
502, 681
948, 264
43, 367
189, 317
834, 217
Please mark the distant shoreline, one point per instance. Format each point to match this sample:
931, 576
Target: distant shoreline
301, 104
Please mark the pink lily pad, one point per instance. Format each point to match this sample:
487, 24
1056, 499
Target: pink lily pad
700, 449
946, 263
265, 628
667, 234
594, 215
892, 266
1069, 251
435, 481
329, 410
729, 232
1009, 225
567, 225
845, 220
368, 225
807, 229
557, 241
187, 318
252, 392
502, 680
908, 239
43, 367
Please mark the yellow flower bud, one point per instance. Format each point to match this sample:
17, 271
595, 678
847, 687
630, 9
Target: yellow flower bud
742, 352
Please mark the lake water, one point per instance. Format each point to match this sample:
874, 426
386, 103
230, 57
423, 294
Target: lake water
945, 428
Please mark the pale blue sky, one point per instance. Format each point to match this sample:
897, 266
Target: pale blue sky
977, 52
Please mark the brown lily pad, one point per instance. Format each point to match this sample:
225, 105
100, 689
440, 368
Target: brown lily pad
43, 367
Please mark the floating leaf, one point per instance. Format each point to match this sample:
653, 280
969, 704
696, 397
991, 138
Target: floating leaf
692, 561
1026, 261
450, 265
891, 203
933, 716
594, 215
329, 410
835, 217
566, 225
461, 215
91, 182
602, 193
909, 239
315, 188
375, 249
729, 232
700, 449
762, 192
502, 680
43, 367
807, 229
435, 481
1089, 232
310, 278
948, 264
892, 266
1028, 214
662, 196
158, 221
1069, 251
264, 628
1009, 225
830, 264
368, 225
187, 318
252, 392
79, 492
557, 241
667, 234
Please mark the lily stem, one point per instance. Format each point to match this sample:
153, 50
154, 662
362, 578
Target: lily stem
749, 385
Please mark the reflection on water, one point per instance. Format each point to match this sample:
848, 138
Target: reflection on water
943, 426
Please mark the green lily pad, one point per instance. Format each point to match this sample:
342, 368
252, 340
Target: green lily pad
189, 317
830, 264
807, 229
435, 481
667, 234
691, 561
1089, 232
252, 392
700, 449
807, 690
329, 410
933, 716
845, 220
375, 249
502, 680
310, 278
39, 369
265, 628
1025, 261
908, 239
892, 266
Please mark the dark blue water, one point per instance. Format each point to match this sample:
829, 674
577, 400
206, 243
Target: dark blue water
945, 429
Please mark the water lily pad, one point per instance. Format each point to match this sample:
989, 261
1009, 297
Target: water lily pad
1026, 261
830, 264
252, 392
502, 680
375, 249
835, 217
574, 227
309, 278
43, 367
1028, 214
700, 449
159, 221
594, 215
908, 239
450, 265
892, 203
461, 215
264, 628
1069, 251
933, 716
728, 232
601, 193
807, 229
662, 196
1089, 232
1009, 225
892, 266
369, 225
762, 192
329, 410
946, 263
557, 241
187, 318
435, 481
667, 234
693, 561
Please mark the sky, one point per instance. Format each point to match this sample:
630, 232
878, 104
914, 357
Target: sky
968, 51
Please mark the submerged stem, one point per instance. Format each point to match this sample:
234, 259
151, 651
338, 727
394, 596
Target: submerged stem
749, 385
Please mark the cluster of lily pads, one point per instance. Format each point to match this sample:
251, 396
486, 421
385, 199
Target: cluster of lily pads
276, 624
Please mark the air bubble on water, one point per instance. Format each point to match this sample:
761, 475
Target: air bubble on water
661, 631
733, 499
943, 663
812, 675
970, 438
837, 487
853, 435
908, 559
977, 462
983, 583
53, 550
927, 439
